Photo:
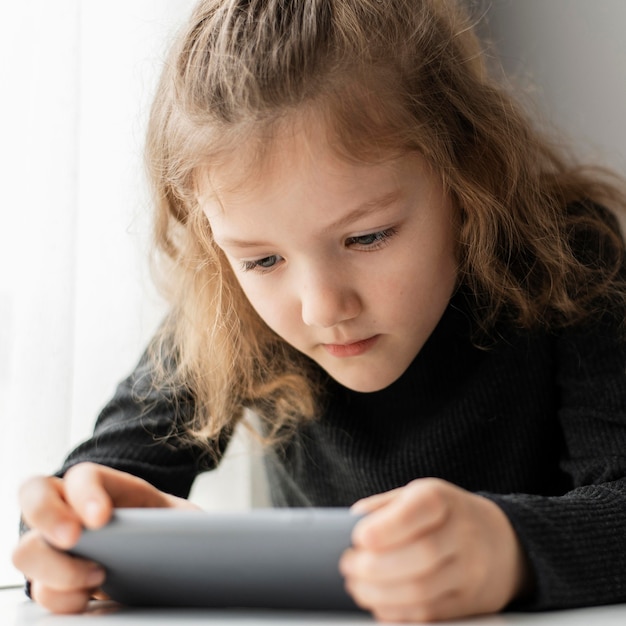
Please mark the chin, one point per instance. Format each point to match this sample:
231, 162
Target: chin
367, 384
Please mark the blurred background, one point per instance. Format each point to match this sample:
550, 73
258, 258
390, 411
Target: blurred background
76, 302
569, 56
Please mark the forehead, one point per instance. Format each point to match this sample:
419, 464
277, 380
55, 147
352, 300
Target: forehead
301, 147
313, 185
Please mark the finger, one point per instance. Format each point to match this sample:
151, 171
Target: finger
60, 601
43, 506
55, 570
419, 593
425, 594
416, 559
417, 509
94, 490
371, 503
446, 607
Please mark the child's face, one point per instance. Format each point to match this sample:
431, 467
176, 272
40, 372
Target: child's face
352, 264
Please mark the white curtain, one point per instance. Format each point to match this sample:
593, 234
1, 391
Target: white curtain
76, 302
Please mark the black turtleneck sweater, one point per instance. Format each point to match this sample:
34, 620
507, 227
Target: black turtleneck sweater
536, 422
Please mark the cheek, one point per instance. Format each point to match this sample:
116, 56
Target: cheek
426, 280
270, 304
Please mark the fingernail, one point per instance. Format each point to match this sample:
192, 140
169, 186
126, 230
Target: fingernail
96, 576
92, 511
362, 534
359, 507
345, 565
64, 534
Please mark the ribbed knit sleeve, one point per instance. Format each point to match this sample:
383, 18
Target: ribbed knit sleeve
576, 545
576, 542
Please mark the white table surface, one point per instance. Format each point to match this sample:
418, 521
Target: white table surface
17, 610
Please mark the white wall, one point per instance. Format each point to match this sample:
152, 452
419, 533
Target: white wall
574, 52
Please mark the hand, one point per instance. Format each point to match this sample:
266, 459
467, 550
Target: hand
432, 551
56, 510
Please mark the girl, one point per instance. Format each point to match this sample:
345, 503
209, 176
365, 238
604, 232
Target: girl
367, 245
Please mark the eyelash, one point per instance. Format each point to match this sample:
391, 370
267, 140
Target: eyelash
378, 240
249, 266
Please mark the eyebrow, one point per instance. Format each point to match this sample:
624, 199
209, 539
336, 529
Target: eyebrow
367, 208
363, 210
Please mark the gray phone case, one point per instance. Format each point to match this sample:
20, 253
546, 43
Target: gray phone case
264, 558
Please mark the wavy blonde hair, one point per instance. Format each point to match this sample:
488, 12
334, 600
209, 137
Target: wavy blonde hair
388, 77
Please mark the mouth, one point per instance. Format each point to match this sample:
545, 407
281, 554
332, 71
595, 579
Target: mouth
354, 348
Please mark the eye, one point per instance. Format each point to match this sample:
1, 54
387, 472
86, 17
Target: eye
371, 241
261, 265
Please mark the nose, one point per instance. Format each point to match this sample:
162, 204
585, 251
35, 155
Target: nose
327, 299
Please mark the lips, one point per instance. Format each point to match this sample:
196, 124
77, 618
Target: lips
355, 348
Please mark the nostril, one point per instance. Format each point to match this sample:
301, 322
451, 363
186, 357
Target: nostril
327, 309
